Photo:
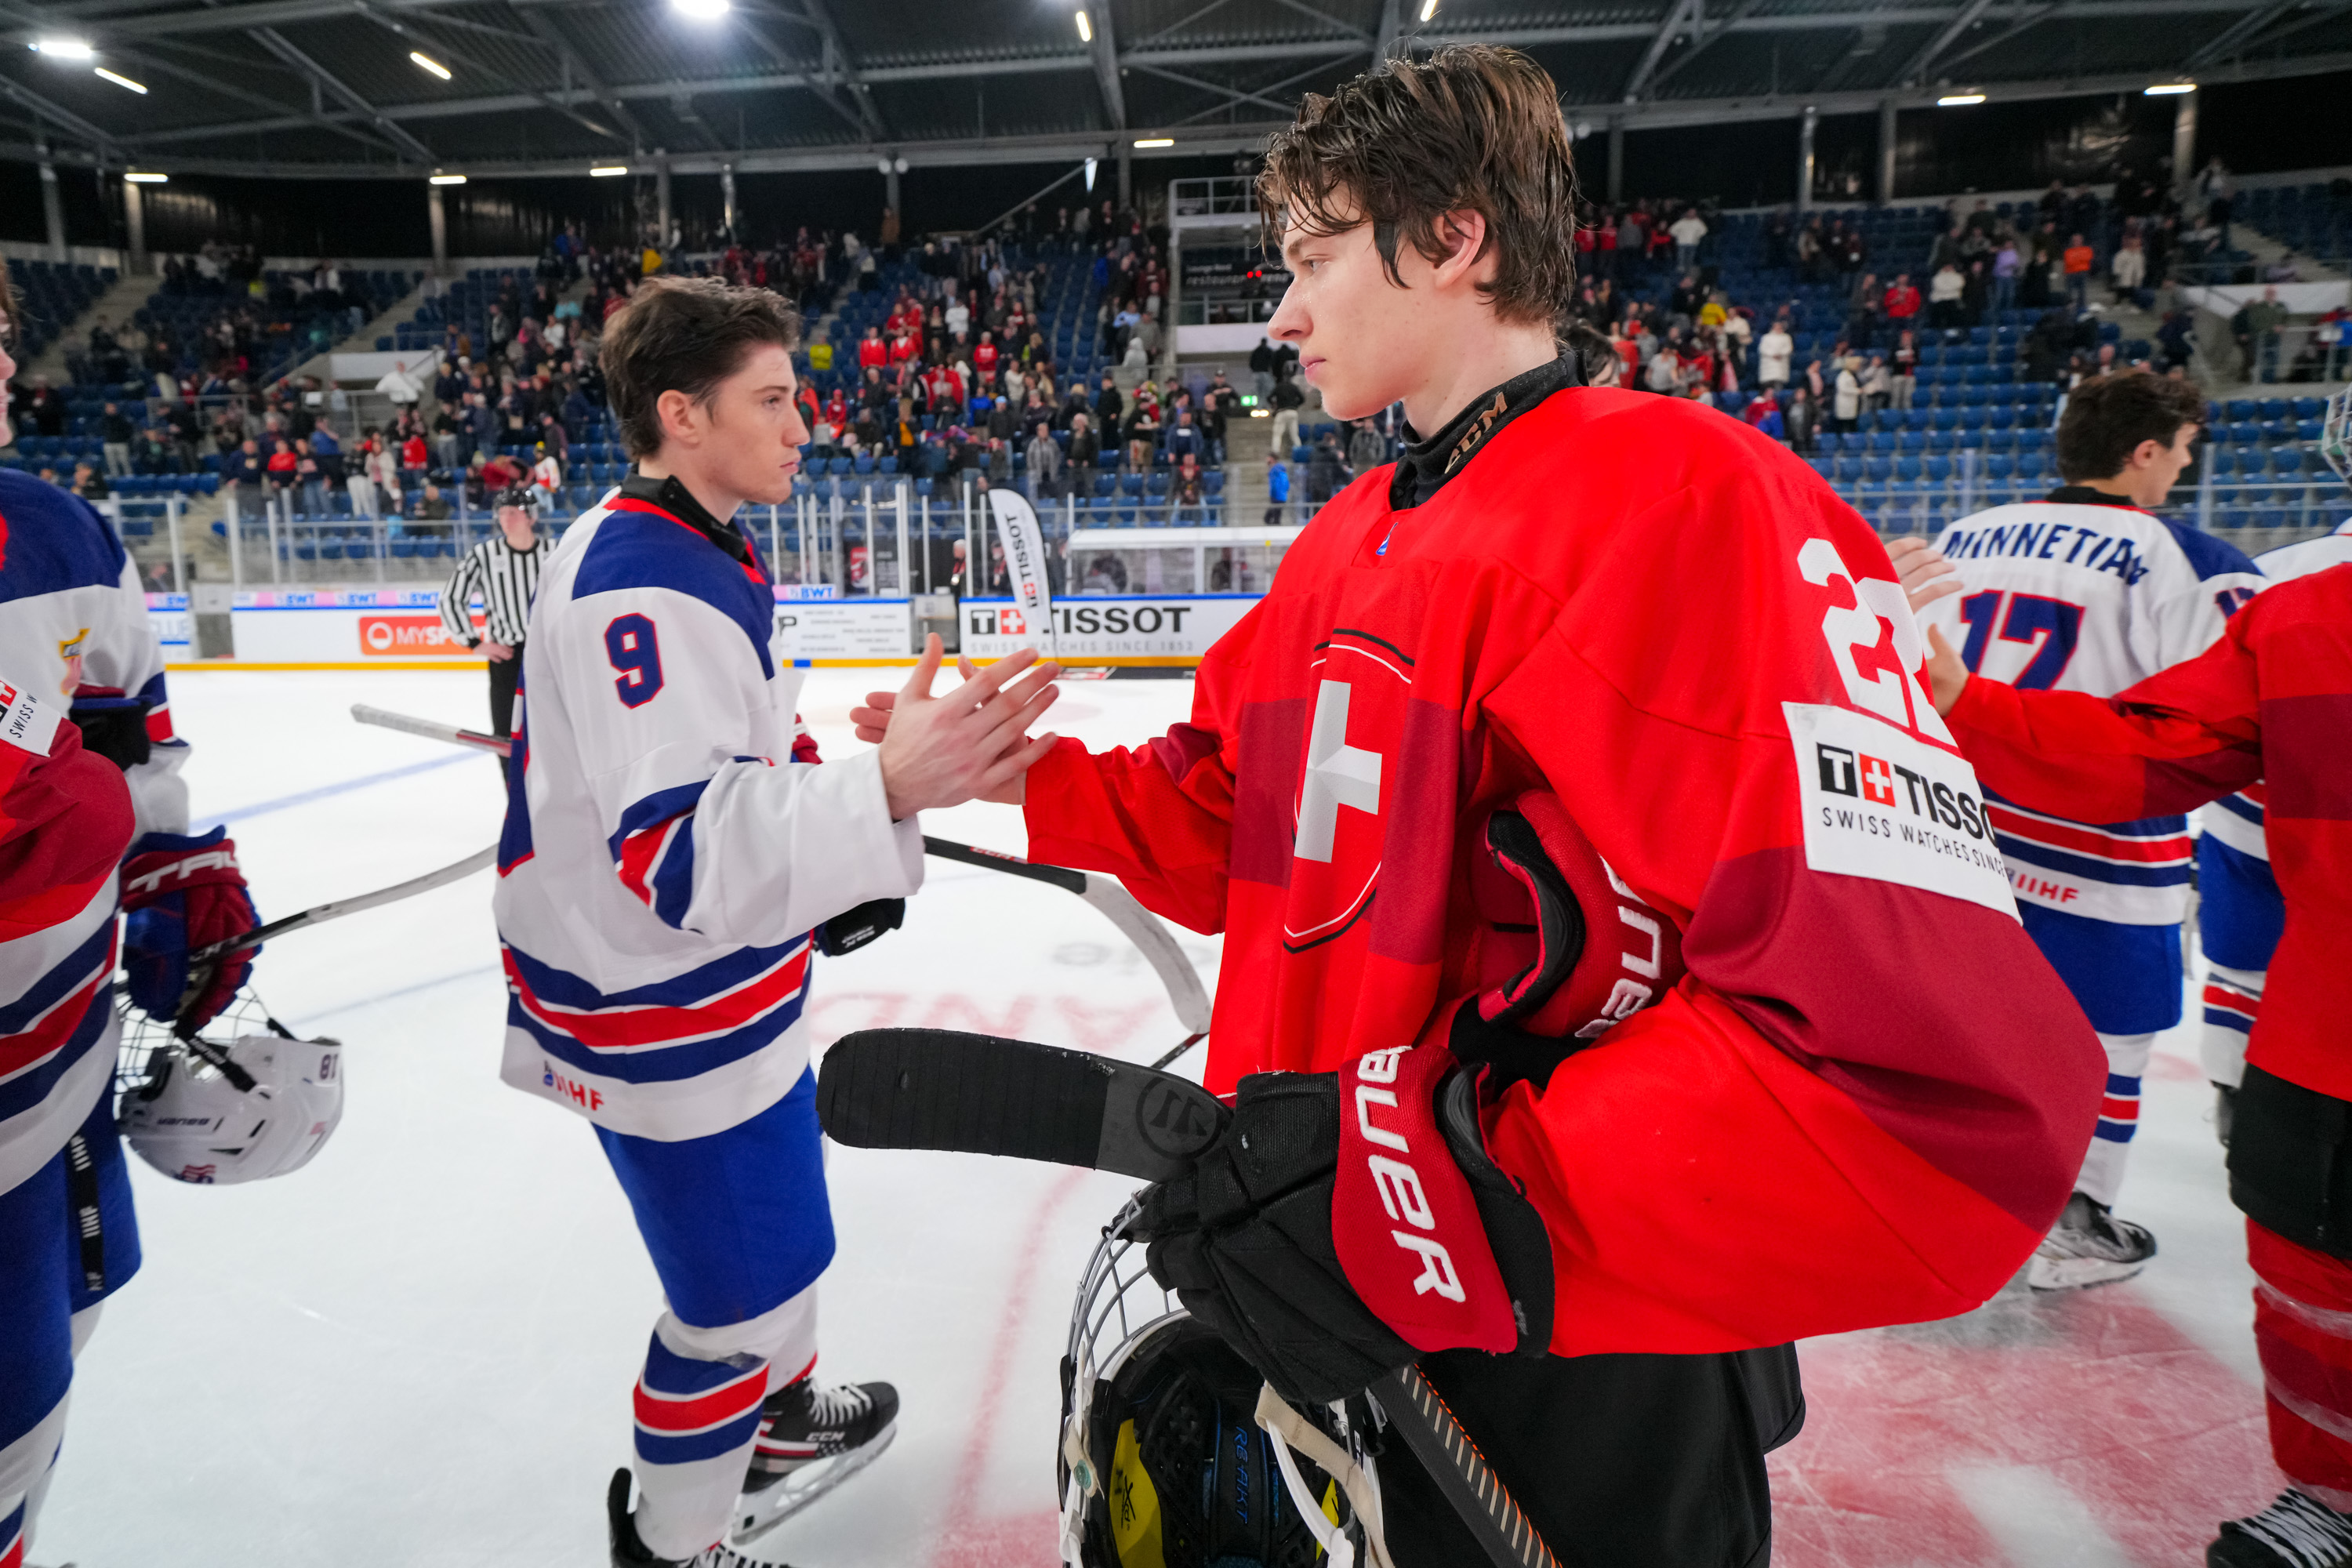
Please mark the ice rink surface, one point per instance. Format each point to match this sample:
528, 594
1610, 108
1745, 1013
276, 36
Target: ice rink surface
420, 1349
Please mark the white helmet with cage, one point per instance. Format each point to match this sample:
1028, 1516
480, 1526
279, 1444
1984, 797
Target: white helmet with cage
250, 1102
2336, 435
1168, 1437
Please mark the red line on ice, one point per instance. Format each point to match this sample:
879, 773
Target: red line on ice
1003, 1540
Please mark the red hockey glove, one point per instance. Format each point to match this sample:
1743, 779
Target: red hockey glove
1346, 1222
183, 894
1595, 954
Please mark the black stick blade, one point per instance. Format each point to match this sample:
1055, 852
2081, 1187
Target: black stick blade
978, 1094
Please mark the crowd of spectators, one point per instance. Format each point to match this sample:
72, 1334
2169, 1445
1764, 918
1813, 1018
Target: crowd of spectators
1651, 292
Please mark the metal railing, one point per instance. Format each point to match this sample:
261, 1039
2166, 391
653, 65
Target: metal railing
894, 543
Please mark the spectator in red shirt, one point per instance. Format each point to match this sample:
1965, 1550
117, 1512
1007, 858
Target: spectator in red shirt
985, 357
413, 451
873, 351
1902, 302
905, 346
1604, 245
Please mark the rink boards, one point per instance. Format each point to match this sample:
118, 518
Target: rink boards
400, 628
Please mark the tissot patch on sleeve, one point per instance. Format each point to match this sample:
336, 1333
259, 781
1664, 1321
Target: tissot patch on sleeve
1879, 804
25, 722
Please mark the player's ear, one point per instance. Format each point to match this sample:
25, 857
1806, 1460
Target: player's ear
1461, 234
680, 415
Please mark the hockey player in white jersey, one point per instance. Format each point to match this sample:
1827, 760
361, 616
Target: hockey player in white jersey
2238, 911
89, 774
2088, 590
672, 856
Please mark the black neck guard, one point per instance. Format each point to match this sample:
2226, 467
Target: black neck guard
1426, 465
679, 501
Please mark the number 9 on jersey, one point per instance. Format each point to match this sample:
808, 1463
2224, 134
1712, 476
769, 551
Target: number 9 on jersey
630, 644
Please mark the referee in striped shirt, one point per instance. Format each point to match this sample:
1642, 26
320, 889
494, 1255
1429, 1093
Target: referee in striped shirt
505, 572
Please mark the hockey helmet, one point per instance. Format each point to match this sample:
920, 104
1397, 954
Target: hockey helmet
2336, 435
1175, 1454
250, 1102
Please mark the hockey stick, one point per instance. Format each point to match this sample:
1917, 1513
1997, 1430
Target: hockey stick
978, 1094
1140, 926
206, 958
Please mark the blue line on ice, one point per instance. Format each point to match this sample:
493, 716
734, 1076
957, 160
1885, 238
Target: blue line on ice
326, 792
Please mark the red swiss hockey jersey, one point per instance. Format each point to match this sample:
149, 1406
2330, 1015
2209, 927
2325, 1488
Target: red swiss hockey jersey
2272, 699
1866, 1101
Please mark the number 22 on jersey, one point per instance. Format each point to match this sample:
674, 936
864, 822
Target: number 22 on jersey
635, 652
2034, 636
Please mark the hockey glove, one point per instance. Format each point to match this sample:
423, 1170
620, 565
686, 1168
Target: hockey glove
853, 929
111, 724
1595, 952
1346, 1222
182, 894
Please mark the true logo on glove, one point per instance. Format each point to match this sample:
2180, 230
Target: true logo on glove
221, 859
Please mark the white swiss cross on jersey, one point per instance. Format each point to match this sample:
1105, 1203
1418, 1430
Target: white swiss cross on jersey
1363, 686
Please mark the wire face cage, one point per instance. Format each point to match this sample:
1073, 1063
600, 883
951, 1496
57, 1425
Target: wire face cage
147, 1049
1173, 1451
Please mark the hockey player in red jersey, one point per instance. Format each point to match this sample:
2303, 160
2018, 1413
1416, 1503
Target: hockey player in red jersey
1581, 750
2271, 701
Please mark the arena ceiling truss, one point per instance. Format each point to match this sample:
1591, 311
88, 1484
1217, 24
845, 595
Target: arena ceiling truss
403, 87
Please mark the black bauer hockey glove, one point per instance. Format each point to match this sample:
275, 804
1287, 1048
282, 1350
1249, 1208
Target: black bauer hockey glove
1348, 1222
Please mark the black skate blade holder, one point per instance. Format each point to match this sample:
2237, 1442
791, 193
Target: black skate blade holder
979, 1094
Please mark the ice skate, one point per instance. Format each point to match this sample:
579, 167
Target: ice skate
628, 1551
2293, 1533
812, 1437
2088, 1246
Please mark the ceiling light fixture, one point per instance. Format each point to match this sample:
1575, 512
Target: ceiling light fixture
65, 49
1959, 100
2170, 88
139, 87
700, 10
1085, 29
142, 177
427, 63
606, 171
445, 180
1428, 9
1155, 141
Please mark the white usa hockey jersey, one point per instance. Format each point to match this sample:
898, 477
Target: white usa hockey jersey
2083, 593
72, 619
665, 859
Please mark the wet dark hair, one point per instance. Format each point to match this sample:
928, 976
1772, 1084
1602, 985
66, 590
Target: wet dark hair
1472, 126
684, 335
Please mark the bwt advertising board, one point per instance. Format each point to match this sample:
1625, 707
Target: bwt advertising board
390, 627
1145, 628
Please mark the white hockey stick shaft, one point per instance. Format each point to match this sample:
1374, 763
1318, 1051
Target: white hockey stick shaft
1149, 935
318, 914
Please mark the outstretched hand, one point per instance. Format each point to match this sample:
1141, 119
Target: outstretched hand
970, 743
1927, 576
1946, 674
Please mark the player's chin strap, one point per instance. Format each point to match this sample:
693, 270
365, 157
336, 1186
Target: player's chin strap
1291, 1430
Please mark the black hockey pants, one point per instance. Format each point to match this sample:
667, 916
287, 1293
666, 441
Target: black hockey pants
1621, 1461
